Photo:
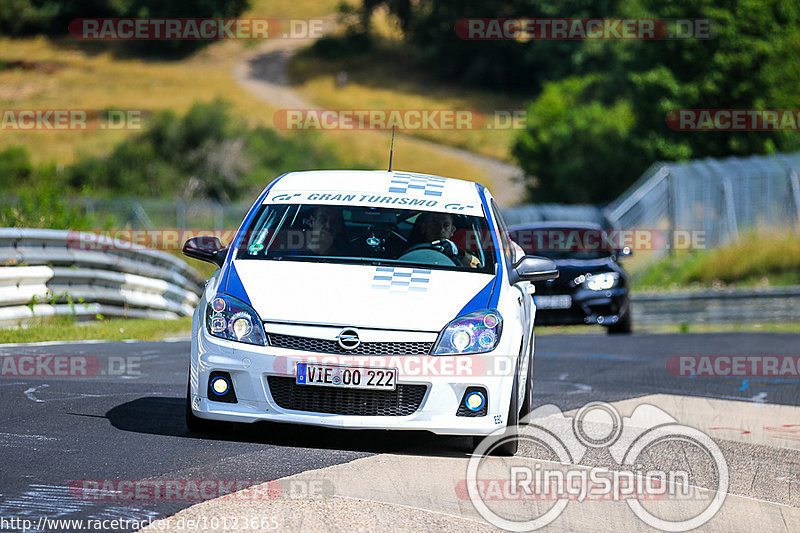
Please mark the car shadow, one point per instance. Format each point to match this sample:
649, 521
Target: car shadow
158, 415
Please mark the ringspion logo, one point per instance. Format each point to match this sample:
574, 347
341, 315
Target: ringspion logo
628, 440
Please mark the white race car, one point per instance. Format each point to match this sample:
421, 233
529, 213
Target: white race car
367, 300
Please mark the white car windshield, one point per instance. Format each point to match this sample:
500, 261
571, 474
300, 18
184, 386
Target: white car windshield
369, 235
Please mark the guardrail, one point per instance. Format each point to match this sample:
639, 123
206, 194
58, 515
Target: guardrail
54, 272
776, 304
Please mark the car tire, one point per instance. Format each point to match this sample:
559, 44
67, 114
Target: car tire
195, 424
527, 402
509, 439
624, 326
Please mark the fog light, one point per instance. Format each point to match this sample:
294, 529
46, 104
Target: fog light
220, 386
474, 401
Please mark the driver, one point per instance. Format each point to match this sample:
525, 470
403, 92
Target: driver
435, 227
325, 232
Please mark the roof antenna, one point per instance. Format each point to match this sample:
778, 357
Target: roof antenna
391, 150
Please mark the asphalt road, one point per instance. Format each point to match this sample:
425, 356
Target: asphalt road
126, 421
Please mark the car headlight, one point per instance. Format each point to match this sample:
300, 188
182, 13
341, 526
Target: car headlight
231, 319
473, 333
601, 282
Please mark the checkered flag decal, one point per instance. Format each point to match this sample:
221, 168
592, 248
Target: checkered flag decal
401, 279
405, 183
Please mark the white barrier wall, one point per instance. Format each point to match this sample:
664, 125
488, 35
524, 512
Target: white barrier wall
54, 272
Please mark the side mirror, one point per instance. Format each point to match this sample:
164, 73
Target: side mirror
206, 249
533, 268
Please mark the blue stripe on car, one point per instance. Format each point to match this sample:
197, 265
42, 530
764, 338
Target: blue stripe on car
480, 301
495, 299
235, 288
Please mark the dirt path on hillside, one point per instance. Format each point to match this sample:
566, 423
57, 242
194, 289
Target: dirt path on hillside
262, 73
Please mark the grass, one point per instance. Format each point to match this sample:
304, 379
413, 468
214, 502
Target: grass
735, 327
95, 75
65, 328
387, 79
759, 258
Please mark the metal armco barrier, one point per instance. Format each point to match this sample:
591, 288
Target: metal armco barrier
53, 272
779, 304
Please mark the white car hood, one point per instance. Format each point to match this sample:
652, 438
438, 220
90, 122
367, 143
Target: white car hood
398, 298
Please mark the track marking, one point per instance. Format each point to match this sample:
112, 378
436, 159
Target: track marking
29, 393
22, 436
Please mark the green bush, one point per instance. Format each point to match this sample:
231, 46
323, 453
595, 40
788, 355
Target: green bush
42, 207
15, 167
573, 148
751, 63
204, 154
334, 47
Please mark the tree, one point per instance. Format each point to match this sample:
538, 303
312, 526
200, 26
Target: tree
752, 63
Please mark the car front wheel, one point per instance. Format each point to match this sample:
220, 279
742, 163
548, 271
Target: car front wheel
195, 424
624, 325
509, 440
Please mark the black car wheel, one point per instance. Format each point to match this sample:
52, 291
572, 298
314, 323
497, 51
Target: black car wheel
195, 424
510, 438
527, 402
624, 325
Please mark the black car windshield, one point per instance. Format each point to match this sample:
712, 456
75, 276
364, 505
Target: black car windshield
582, 244
369, 235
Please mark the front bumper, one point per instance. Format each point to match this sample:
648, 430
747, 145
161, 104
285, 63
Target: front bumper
602, 308
445, 379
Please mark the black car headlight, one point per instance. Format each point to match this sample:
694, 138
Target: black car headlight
468, 334
599, 282
230, 318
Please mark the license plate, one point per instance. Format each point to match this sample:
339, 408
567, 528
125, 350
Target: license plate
559, 301
346, 377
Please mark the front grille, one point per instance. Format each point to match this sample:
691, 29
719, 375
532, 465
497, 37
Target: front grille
403, 401
308, 344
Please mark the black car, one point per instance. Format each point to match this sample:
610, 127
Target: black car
592, 287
